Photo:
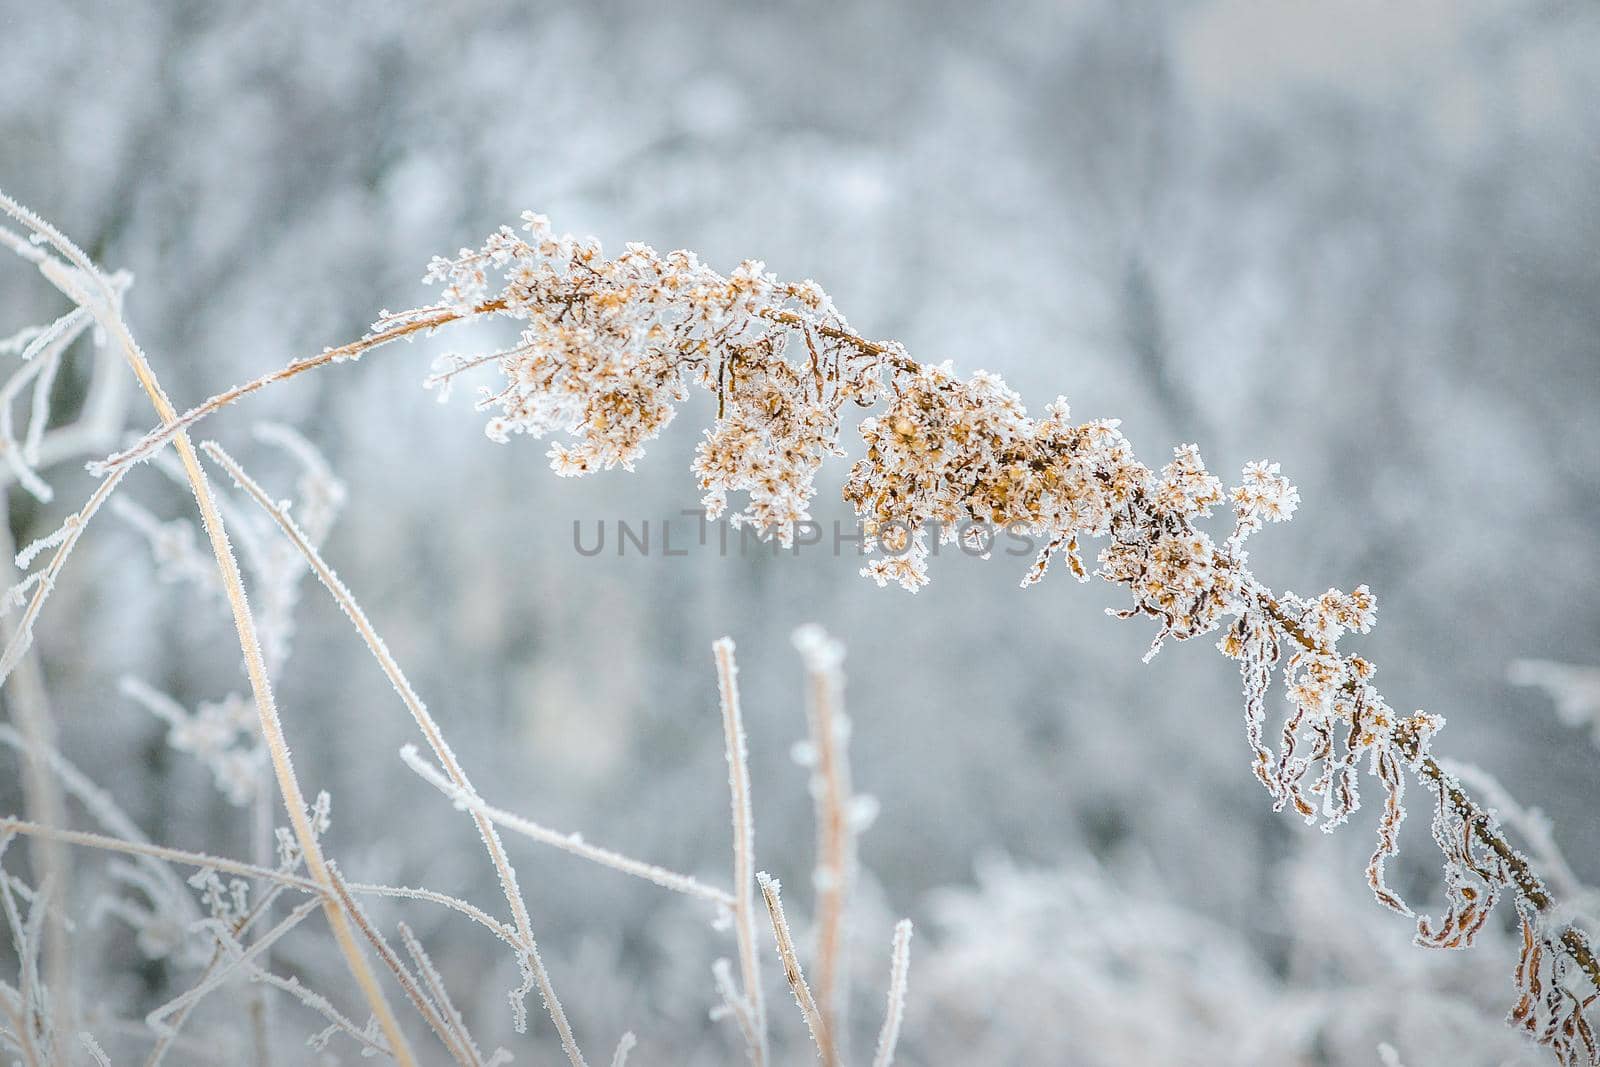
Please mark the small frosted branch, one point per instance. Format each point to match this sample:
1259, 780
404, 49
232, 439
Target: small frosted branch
431, 732
170, 428
426, 1007
619, 1058
157, 1019
32, 1013
370, 1038
503, 931
79, 285
43, 583
770, 892
734, 1005
573, 843
899, 965
835, 808
92, 1047
166, 1040
104, 810
738, 758
171, 855
57, 240
441, 996
1531, 823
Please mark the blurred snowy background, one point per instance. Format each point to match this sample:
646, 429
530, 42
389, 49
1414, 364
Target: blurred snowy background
1358, 239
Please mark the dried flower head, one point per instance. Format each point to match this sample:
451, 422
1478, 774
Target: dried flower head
609, 347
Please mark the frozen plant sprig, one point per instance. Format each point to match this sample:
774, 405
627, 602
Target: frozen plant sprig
76, 276
609, 347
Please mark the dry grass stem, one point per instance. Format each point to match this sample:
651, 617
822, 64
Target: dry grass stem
737, 750
792, 973
899, 965
425, 721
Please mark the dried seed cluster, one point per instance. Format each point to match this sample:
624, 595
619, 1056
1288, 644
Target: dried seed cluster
609, 347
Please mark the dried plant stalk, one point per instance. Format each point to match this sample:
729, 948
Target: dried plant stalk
419, 1000
430, 731
649, 872
80, 286
743, 846
834, 804
899, 966
770, 892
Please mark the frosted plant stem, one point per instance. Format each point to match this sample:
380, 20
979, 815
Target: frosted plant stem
743, 845
173, 425
605, 857
92, 1047
770, 892
441, 996
266, 707
167, 1039
899, 964
399, 892
170, 1031
430, 731
198, 860
402, 975
24, 1037
255, 667
42, 796
1484, 828
156, 1020
830, 786
72, 529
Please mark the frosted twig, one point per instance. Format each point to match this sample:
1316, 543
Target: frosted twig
1531, 823
503, 931
42, 358
169, 1035
370, 1039
104, 811
156, 1019
573, 843
90, 1045
430, 731
899, 964
32, 1011
625, 1045
175, 424
453, 1021
425, 1007
43, 582
734, 1004
198, 860
791, 970
830, 790
743, 847
108, 317
41, 792
58, 240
